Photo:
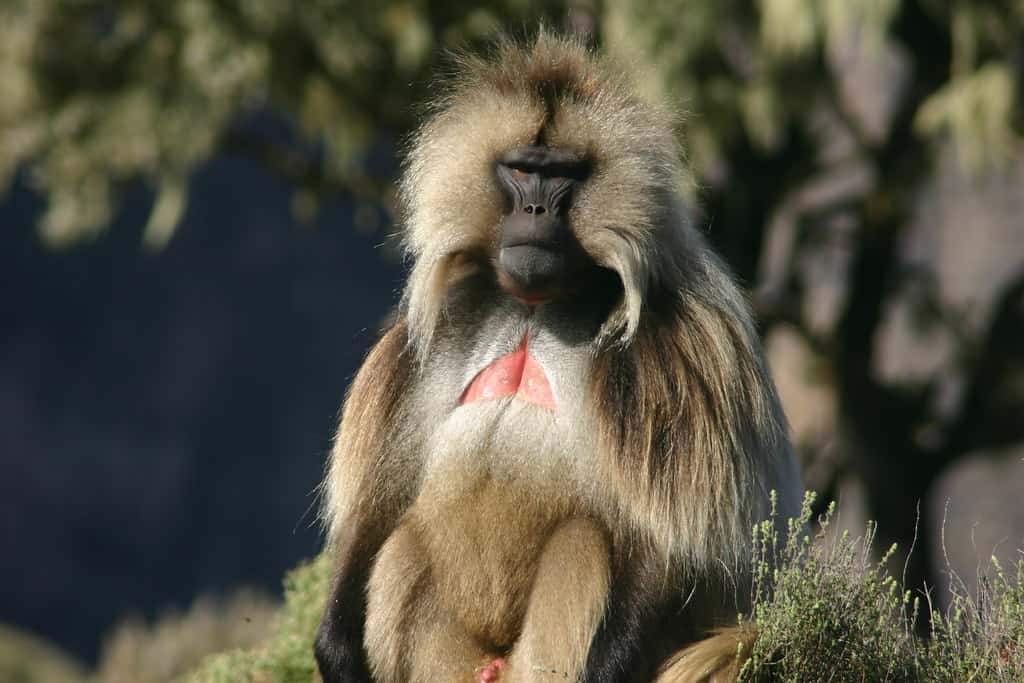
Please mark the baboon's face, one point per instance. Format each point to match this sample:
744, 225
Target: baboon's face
551, 195
538, 254
546, 170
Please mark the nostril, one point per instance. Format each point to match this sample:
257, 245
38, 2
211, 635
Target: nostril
539, 209
529, 208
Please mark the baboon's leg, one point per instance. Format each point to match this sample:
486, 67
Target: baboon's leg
565, 607
409, 637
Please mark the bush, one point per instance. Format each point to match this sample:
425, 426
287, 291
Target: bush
287, 655
980, 639
825, 610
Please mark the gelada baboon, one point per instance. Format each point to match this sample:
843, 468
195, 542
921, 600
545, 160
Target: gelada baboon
549, 467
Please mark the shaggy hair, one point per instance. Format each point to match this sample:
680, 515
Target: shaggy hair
635, 222
668, 437
680, 310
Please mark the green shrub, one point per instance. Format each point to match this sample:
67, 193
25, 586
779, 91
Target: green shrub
982, 638
825, 610
287, 655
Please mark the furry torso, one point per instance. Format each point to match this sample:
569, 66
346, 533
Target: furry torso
522, 467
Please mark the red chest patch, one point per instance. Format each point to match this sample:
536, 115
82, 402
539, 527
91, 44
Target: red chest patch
516, 374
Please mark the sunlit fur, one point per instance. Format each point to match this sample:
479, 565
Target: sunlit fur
500, 525
716, 659
629, 215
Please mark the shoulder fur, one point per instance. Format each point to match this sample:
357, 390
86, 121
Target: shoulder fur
366, 438
690, 421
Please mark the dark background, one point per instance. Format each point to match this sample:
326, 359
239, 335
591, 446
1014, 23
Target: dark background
165, 416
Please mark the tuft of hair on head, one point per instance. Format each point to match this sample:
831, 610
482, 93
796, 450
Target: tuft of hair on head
629, 216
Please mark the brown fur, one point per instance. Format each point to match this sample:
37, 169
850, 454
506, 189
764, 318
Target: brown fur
593, 541
373, 412
714, 403
717, 659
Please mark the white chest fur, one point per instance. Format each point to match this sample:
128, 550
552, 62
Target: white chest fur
507, 439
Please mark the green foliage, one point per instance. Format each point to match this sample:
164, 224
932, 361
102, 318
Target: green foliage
826, 610
95, 94
980, 638
287, 656
750, 71
824, 602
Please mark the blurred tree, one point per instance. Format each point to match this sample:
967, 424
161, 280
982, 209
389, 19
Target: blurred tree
96, 93
822, 134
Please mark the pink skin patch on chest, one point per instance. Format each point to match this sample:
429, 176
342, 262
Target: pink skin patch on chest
516, 374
